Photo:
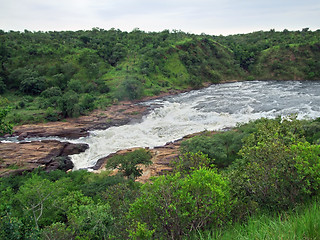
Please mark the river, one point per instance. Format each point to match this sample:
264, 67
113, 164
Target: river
214, 108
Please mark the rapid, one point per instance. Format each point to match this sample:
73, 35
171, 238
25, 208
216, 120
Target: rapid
217, 107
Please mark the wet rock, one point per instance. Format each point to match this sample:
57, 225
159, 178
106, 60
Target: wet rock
71, 149
74, 128
61, 163
49, 155
22, 136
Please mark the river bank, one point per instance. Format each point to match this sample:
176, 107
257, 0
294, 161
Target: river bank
51, 154
216, 107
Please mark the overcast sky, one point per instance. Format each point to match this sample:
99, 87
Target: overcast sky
194, 16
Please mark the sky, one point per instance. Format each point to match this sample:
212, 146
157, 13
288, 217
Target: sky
212, 17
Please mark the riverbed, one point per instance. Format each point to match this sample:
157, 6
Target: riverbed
218, 107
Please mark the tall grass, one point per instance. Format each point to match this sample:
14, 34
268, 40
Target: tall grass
304, 223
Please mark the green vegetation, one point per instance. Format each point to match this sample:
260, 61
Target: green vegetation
41, 73
128, 163
303, 223
258, 181
173, 206
267, 189
5, 127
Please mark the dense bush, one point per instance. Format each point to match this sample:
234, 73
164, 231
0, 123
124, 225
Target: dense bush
5, 127
98, 62
222, 147
269, 172
276, 170
130, 89
189, 161
52, 205
69, 104
173, 206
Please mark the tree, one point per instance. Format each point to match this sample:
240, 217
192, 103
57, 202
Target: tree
2, 86
91, 221
33, 85
4, 110
128, 163
86, 218
86, 102
36, 196
190, 161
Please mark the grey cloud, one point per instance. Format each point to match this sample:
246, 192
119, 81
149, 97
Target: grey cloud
210, 16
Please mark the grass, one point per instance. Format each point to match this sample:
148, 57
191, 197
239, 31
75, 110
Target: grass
303, 223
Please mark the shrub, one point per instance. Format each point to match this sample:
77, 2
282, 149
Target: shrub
172, 206
222, 147
86, 102
271, 170
76, 86
69, 104
127, 163
33, 85
130, 89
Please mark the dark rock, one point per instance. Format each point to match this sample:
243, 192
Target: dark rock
61, 163
71, 149
99, 163
22, 136
48, 154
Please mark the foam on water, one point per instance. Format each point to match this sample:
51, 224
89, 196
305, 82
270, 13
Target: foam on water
216, 107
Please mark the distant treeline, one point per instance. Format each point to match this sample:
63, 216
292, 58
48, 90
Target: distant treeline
42, 72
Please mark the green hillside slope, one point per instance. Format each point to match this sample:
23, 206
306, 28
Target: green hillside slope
290, 62
42, 72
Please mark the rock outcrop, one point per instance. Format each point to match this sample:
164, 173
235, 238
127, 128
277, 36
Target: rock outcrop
74, 128
48, 154
162, 159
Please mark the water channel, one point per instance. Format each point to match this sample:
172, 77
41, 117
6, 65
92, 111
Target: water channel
214, 108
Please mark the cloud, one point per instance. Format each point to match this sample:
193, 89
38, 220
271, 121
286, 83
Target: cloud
209, 16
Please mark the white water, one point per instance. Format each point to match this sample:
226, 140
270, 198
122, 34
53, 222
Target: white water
217, 107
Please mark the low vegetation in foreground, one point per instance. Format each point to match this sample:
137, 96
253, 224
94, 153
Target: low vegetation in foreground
258, 181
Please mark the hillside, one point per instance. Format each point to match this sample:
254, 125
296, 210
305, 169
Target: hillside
48, 76
290, 62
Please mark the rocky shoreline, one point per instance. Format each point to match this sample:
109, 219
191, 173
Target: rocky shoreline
27, 156
50, 154
162, 157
